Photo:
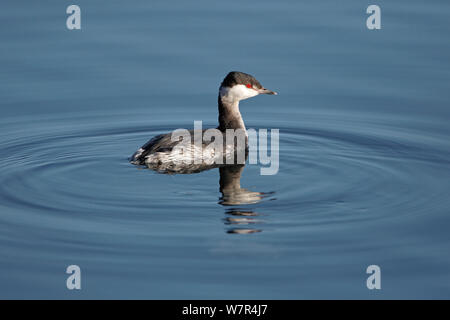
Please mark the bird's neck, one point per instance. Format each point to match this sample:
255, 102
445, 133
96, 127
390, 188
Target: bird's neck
229, 114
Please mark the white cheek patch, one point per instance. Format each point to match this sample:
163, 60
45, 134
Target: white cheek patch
237, 92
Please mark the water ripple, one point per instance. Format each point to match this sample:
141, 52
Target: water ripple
326, 176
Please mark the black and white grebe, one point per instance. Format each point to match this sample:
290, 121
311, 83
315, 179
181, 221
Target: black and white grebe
157, 153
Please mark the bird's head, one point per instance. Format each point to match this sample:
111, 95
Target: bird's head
239, 86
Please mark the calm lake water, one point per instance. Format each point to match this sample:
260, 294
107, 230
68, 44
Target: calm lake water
364, 172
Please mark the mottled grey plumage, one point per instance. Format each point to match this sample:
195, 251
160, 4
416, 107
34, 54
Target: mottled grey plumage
159, 143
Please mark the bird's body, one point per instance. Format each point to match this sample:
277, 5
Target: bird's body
183, 151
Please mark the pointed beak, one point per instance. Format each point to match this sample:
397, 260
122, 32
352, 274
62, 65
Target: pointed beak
266, 91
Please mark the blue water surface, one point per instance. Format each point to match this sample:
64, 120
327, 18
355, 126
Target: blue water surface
364, 173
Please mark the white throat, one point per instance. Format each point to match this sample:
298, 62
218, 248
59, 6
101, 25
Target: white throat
229, 114
236, 93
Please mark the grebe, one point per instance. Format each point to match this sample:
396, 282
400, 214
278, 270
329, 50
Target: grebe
157, 153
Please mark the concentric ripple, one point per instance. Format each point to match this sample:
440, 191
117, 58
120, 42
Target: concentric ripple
352, 176
326, 176
69, 195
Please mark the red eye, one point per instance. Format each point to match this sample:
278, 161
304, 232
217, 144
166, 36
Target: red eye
249, 85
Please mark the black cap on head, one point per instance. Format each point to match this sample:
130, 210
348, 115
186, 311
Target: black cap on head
236, 77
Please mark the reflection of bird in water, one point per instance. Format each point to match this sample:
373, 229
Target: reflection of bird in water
230, 187
233, 194
240, 217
